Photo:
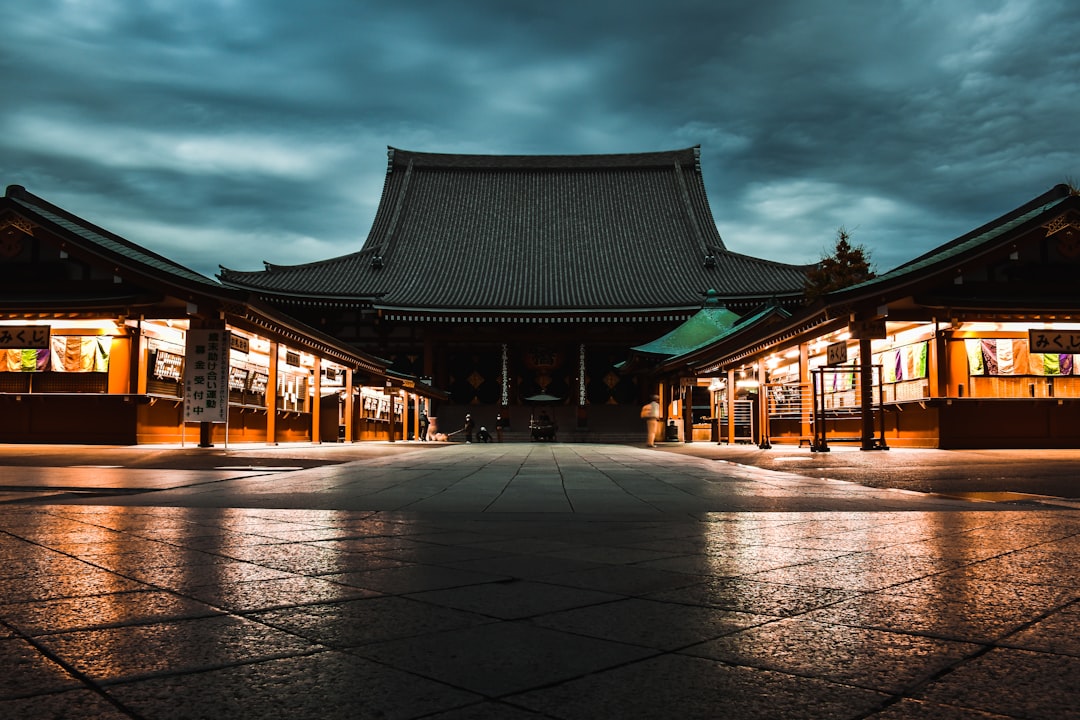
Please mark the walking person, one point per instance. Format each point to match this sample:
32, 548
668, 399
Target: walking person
650, 413
468, 428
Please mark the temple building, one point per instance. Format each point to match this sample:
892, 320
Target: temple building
973, 344
516, 281
573, 287
103, 341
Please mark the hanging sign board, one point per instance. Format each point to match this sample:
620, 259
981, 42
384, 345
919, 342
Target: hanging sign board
206, 375
868, 329
836, 354
24, 337
1053, 341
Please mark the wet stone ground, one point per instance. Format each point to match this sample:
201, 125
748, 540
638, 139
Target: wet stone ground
142, 610
114, 612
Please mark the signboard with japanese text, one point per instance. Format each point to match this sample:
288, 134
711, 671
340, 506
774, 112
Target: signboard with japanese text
868, 329
206, 376
836, 354
1053, 341
24, 337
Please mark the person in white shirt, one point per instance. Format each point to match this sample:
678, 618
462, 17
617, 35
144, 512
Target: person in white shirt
650, 413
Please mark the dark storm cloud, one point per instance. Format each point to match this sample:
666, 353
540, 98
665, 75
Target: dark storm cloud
234, 132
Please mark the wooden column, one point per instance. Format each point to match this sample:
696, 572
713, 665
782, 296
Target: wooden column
763, 405
316, 406
391, 395
349, 404
866, 394
271, 395
139, 357
806, 393
937, 364
731, 406
688, 411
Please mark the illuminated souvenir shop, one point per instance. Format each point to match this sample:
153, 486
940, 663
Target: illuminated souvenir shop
974, 344
96, 347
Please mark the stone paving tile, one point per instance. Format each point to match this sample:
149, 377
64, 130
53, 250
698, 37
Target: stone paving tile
361, 622
86, 583
697, 688
961, 586
524, 566
515, 599
411, 578
151, 556
327, 685
527, 545
99, 611
1035, 566
120, 654
611, 555
501, 658
81, 704
366, 545
752, 596
490, 710
27, 672
935, 617
431, 553
907, 709
624, 579
1055, 633
886, 661
862, 571
41, 563
276, 593
1016, 683
949, 550
738, 561
183, 578
662, 626
296, 558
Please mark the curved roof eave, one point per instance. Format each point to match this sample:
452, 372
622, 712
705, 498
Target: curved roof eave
954, 253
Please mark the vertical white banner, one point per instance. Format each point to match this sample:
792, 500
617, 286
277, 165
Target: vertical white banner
206, 368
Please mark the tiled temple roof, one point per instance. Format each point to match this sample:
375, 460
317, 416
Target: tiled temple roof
536, 233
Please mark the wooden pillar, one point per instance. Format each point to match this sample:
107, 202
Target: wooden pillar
806, 394
763, 405
731, 406
139, 356
316, 406
271, 395
688, 410
391, 396
937, 364
866, 394
416, 416
349, 405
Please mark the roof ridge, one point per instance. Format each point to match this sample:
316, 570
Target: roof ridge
662, 159
275, 267
42, 207
386, 244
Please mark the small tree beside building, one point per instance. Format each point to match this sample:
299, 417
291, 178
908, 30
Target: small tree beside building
847, 265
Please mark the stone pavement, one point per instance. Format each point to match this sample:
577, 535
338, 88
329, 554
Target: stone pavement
524, 581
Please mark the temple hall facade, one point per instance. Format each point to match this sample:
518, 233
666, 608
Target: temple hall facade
517, 283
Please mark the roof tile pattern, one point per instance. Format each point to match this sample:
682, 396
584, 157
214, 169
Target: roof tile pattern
536, 233
107, 241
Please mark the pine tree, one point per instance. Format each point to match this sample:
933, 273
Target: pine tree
846, 266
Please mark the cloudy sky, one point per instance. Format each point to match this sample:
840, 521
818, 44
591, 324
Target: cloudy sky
235, 131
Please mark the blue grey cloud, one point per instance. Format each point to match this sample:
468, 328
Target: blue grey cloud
236, 131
